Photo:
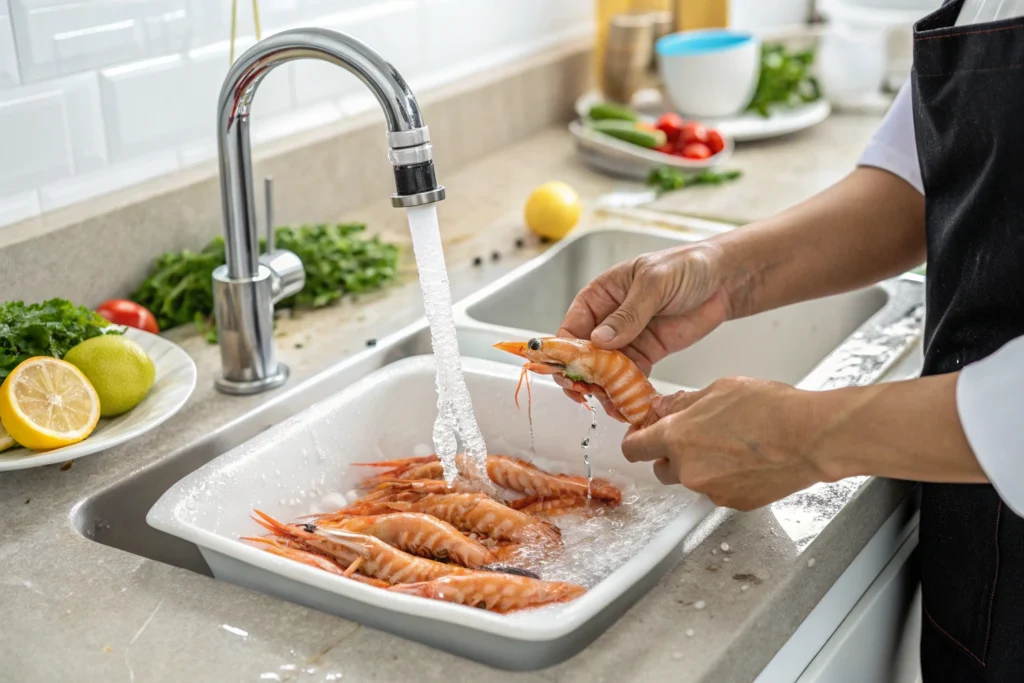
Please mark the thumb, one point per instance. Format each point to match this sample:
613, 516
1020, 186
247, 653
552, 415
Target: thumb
625, 323
672, 403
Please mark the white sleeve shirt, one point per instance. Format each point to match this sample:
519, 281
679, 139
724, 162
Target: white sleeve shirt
989, 393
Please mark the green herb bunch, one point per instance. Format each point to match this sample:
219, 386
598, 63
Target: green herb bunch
338, 260
785, 79
51, 328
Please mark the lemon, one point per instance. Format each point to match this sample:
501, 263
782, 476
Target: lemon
552, 210
5, 439
48, 403
119, 368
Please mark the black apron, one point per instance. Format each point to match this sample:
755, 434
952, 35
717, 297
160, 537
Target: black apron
968, 97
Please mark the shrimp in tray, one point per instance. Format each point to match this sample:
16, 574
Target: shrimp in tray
360, 552
500, 593
506, 471
592, 371
421, 535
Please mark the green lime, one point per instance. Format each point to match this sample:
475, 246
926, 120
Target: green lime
118, 368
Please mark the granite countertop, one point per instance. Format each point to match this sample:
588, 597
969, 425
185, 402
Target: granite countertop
74, 609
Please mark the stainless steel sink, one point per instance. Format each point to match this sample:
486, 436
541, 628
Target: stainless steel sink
849, 339
116, 515
784, 345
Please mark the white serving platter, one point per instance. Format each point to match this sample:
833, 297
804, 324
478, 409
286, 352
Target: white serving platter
302, 466
174, 382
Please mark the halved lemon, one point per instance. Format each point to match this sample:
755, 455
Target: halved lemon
48, 403
5, 439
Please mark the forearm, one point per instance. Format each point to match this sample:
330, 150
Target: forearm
901, 430
865, 228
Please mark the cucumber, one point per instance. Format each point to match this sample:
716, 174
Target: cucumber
610, 111
627, 131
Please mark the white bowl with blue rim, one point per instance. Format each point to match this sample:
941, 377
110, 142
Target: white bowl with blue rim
709, 73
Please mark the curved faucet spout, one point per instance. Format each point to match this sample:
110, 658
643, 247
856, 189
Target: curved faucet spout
248, 285
405, 125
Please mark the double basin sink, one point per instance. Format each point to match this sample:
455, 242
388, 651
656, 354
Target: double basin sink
852, 338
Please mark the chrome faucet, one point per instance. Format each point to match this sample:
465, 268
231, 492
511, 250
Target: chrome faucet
248, 286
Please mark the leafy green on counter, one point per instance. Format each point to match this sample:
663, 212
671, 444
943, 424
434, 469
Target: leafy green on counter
785, 79
338, 260
51, 328
669, 178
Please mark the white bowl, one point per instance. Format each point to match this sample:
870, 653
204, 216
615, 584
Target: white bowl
709, 73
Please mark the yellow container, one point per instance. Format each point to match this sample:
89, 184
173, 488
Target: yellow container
694, 14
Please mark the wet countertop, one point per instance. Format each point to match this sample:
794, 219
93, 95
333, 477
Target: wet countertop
74, 609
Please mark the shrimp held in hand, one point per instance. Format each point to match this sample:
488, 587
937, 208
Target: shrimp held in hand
589, 367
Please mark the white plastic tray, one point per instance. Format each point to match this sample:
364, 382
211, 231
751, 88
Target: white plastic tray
301, 466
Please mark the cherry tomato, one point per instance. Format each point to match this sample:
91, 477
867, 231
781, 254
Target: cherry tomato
715, 141
696, 150
693, 132
667, 148
129, 314
672, 125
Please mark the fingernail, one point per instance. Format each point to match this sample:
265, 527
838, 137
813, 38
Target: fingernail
603, 334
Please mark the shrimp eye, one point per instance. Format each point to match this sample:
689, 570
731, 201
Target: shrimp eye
534, 344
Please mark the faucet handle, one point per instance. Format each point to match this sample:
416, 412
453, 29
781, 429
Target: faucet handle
268, 198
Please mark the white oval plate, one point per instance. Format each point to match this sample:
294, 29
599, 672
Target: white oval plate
621, 158
175, 380
742, 128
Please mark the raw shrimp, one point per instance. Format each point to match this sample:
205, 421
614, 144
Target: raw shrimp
368, 554
475, 512
591, 369
498, 592
421, 535
285, 549
511, 473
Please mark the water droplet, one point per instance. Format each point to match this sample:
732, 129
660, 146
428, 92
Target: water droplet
689, 633
744, 587
725, 547
677, 656
699, 604
810, 562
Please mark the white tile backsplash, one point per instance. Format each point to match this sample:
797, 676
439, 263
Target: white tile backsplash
96, 95
8, 57
35, 141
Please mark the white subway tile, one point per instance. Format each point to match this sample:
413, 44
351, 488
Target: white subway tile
17, 207
84, 124
102, 181
60, 37
85, 120
145, 105
35, 141
8, 56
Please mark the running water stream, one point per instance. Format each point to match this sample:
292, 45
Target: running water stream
455, 421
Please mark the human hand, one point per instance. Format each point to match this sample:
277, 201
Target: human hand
649, 307
742, 442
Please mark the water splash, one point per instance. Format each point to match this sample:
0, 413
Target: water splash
455, 420
585, 444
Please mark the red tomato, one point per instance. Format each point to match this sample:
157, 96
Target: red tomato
667, 148
671, 124
693, 132
129, 314
696, 150
715, 141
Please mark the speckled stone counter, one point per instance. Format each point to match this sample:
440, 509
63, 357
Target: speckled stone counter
75, 610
